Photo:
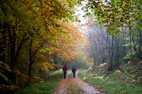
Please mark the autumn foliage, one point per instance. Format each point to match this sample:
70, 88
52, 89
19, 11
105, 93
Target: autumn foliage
34, 34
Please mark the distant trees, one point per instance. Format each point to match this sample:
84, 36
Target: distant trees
113, 49
122, 22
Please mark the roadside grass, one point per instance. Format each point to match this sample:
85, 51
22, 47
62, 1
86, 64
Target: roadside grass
46, 87
112, 84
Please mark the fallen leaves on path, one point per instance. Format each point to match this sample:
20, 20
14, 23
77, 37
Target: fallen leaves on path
87, 88
75, 86
62, 87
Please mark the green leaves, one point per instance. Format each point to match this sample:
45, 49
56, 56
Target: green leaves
115, 13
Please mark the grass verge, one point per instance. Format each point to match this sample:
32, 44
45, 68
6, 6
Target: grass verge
46, 87
111, 84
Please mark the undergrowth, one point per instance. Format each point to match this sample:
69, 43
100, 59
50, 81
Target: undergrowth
113, 83
44, 87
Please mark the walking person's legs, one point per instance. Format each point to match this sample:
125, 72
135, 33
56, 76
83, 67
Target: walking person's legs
65, 75
73, 74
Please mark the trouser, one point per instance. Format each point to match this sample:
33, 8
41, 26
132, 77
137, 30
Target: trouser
74, 74
65, 73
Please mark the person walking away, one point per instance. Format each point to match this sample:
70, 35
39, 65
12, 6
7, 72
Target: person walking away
74, 69
65, 71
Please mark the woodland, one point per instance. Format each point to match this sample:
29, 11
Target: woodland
38, 37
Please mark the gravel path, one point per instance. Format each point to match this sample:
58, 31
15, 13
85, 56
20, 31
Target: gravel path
87, 89
62, 88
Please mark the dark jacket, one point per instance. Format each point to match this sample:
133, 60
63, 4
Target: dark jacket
74, 69
65, 68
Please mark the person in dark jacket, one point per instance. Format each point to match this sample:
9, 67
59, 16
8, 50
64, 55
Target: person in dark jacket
74, 69
65, 71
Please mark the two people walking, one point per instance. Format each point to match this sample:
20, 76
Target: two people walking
74, 69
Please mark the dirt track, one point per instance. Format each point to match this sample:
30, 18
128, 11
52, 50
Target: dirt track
75, 86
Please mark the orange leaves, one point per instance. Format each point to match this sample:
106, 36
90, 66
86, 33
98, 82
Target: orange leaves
45, 66
67, 40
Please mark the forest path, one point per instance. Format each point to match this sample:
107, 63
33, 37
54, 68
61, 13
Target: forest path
75, 86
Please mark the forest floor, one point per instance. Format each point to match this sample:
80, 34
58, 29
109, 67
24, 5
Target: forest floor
112, 83
57, 85
72, 85
46, 86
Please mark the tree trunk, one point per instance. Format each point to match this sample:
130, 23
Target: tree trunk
30, 58
131, 46
140, 44
12, 40
111, 57
117, 51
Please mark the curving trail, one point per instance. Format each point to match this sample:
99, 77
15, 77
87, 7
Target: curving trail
75, 86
